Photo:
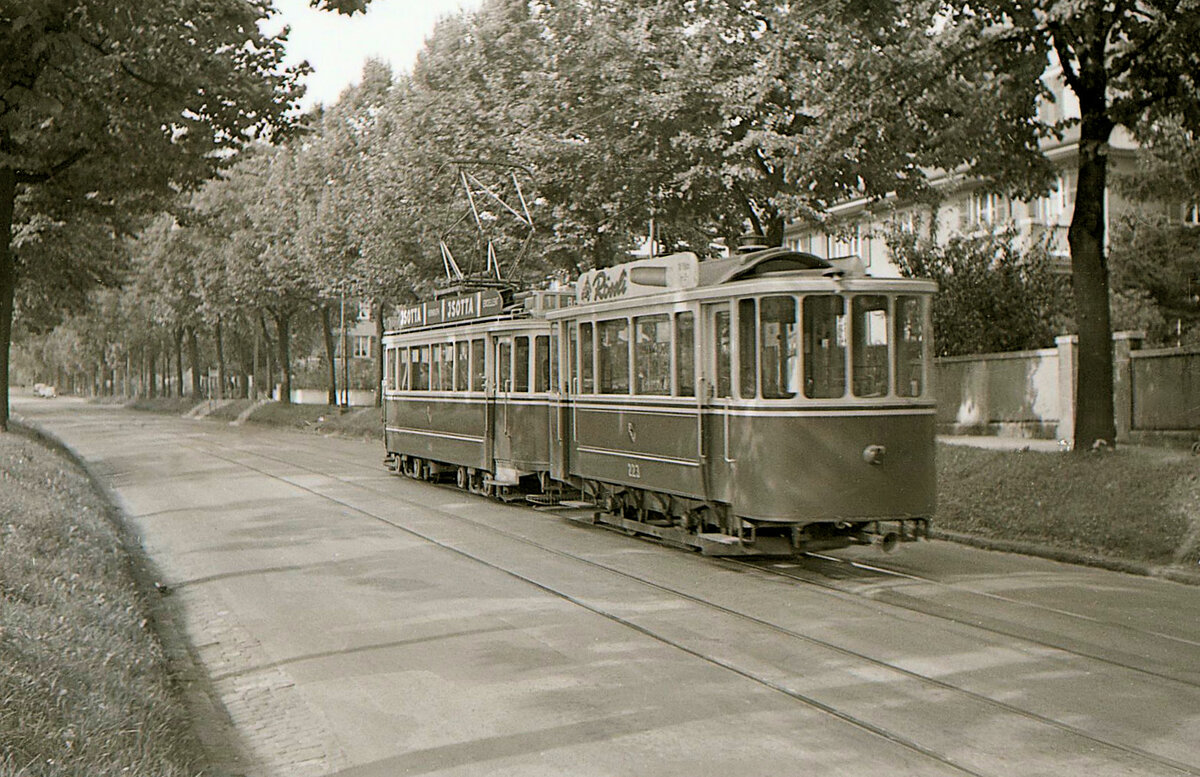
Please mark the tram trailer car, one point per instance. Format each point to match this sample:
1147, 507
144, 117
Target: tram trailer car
766, 404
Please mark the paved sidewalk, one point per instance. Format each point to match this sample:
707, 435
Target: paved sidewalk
1006, 443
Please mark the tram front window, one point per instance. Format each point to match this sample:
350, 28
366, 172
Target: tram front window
870, 349
777, 355
685, 355
824, 346
910, 346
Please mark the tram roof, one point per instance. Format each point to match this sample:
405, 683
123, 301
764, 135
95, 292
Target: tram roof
714, 272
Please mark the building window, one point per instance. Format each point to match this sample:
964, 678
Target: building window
1191, 214
989, 208
362, 346
364, 311
847, 243
1051, 208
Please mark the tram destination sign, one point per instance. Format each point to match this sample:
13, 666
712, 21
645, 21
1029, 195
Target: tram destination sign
635, 279
447, 310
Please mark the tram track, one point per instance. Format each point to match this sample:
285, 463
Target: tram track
819, 580
929, 683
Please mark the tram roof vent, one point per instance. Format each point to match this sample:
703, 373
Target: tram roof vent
767, 261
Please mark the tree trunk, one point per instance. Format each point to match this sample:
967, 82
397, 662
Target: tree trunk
220, 338
152, 378
268, 353
179, 361
1094, 418
379, 354
194, 360
8, 283
282, 327
327, 334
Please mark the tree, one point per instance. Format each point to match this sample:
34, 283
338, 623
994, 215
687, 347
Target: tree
1126, 61
105, 106
992, 296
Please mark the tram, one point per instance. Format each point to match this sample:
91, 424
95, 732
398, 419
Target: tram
768, 403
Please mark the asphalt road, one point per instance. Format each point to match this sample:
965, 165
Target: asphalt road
351, 622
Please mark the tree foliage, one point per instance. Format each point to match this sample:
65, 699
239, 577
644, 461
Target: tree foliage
992, 295
107, 108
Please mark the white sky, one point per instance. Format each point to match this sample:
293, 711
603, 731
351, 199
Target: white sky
336, 46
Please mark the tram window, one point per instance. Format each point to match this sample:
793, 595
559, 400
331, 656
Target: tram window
401, 369
747, 349
447, 381
553, 385
824, 346
420, 368
777, 354
585, 359
869, 353
478, 371
685, 355
613, 351
652, 354
503, 365
724, 354
521, 364
572, 360
435, 367
910, 347
541, 363
462, 365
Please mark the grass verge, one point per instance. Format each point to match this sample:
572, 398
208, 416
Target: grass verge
1141, 505
84, 681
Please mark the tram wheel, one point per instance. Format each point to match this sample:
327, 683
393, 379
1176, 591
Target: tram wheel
462, 478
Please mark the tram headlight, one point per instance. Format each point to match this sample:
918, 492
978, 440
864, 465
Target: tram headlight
873, 454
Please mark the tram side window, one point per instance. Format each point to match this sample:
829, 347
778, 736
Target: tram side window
652, 354
462, 365
572, 360
478, 371
435, 367
910, 347
447, 383
724, 346
824, 346
521, 364
401, 369
870, 349
587, 381
613, 352
420, 368
777, 355
685, 355
503, 366
541, 363
747, 349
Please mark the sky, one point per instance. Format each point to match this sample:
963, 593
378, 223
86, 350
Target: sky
336, 46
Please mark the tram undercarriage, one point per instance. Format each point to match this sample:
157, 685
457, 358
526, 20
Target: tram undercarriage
673, 520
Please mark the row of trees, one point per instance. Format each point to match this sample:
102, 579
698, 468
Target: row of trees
574, 124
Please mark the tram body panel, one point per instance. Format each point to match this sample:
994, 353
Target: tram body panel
521, 429
447, 429
856, 465
646, 446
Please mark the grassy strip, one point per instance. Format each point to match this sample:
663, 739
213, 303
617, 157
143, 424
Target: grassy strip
364, 422
84, 686
1141, 505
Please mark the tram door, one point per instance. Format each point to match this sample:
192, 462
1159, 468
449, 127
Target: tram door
716, 398
500, 389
